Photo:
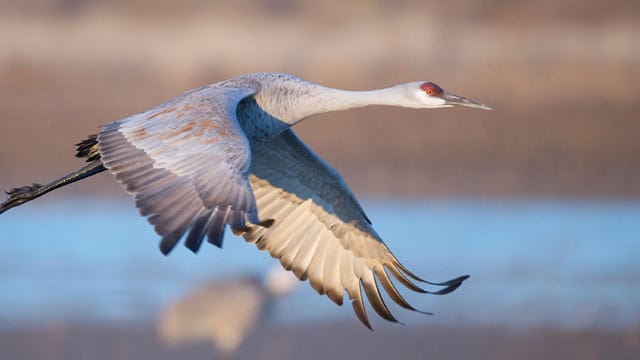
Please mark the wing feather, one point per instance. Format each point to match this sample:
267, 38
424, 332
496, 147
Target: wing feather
373, 294
186, 162
315, 270
332, 285
320, 232
216, 226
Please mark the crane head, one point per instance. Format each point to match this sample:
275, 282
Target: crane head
433, 96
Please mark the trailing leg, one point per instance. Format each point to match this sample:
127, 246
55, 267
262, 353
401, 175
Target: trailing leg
23, 194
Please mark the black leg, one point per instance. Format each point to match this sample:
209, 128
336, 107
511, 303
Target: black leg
21, 195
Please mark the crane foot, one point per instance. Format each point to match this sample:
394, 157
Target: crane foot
20, 195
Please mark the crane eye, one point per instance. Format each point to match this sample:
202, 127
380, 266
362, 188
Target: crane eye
431, 89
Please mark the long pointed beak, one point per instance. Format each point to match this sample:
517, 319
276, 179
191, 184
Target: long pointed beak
452, 99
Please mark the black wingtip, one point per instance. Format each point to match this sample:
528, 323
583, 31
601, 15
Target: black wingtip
358, 308
457, 280
451, 285
167, 244
267, 223
423, 312
194, 248
165, 250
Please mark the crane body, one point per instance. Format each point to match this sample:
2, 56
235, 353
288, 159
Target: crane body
224, 155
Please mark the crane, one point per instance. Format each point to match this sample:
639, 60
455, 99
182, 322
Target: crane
223, 311
224, 155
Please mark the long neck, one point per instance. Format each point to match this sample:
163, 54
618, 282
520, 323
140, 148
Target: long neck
322, 99
285, 100
303, 99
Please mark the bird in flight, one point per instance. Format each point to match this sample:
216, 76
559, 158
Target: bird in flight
224, 155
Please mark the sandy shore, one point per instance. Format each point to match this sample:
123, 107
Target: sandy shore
323, 341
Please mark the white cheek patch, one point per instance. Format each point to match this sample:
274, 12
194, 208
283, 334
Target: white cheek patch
433, 102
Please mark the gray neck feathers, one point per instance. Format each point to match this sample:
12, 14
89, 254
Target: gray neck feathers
295, 99
285, 100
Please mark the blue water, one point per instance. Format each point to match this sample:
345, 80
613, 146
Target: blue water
532, 263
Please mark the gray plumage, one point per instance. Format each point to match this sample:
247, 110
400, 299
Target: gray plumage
224, 154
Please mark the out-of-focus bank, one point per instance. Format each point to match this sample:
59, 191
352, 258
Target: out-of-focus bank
561, 76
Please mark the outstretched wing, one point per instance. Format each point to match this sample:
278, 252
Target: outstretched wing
186, 162
320, 232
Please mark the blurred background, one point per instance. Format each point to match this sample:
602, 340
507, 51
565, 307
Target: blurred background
538, 200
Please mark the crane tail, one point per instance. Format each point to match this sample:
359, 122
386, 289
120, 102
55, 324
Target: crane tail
24, 194
88, 148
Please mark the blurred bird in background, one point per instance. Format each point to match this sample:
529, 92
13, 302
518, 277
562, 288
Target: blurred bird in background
224, 311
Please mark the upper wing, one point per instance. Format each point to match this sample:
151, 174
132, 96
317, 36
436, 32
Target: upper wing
320, 232
186, 162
